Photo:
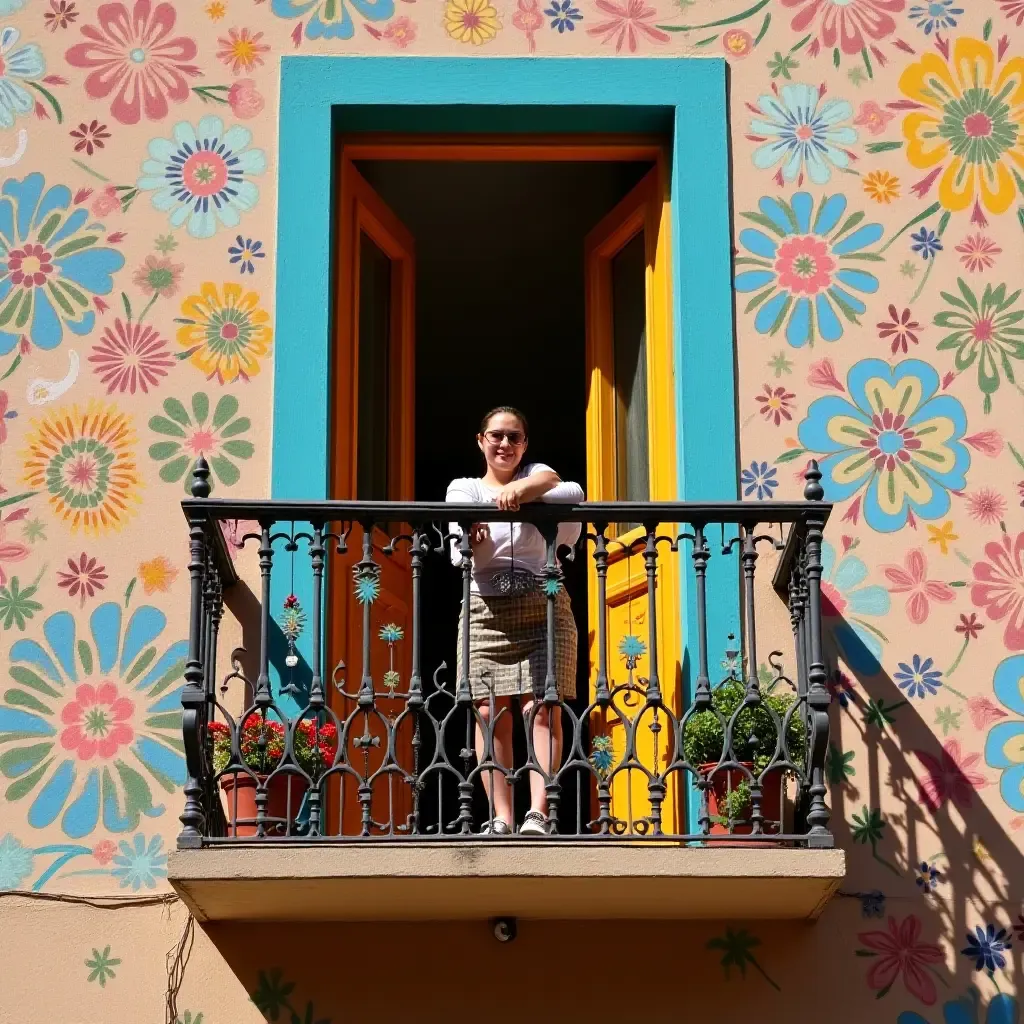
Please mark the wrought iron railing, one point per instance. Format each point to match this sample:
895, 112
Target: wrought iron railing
282, 750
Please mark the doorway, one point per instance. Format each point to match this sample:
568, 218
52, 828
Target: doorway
527, 282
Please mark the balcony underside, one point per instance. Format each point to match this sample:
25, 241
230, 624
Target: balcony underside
410, 881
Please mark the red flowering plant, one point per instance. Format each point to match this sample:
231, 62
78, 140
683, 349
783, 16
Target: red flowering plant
262, 745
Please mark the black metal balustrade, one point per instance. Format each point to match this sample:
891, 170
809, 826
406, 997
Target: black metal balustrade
366, 753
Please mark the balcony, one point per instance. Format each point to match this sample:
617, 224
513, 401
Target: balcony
336, 767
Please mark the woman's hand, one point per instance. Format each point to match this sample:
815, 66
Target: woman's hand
510, 496
478, 533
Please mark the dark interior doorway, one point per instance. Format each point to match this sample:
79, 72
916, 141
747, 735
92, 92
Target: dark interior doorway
500, 319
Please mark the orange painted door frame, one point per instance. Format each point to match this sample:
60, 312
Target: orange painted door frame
362, 215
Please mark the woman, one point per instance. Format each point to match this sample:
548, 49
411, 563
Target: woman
508, 613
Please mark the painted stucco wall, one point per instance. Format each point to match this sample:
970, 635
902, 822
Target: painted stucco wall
879, 203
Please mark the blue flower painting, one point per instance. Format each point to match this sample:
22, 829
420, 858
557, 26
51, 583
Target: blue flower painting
892, 438
93, 722
1004, 745
967, 1010
139, 863
847, 603
806, 260
51, 264
17, 64
203, 176
803, 133
331, 18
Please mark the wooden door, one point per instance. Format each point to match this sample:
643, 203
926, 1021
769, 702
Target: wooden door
631, 457
373, 433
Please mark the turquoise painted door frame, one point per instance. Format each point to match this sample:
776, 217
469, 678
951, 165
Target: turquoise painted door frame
683, 99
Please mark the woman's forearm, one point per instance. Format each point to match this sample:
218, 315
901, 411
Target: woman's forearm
537, 485
565, 492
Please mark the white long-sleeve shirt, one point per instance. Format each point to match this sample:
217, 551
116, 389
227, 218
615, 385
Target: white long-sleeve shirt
495, 552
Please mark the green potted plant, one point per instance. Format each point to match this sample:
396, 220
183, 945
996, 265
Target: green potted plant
262, 747
755, 735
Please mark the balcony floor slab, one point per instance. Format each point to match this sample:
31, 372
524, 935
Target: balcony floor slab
477, 880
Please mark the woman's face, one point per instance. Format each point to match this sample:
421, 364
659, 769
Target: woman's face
503, 443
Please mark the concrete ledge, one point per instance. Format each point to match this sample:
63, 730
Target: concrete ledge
437, 881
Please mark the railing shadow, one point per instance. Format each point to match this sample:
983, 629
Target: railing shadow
981, 868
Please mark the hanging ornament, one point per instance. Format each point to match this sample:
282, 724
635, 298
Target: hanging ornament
293, 622
391, 634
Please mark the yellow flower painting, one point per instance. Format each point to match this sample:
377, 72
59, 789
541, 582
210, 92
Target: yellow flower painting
84, 461
471, 21
969, 124
224, 332
157, 575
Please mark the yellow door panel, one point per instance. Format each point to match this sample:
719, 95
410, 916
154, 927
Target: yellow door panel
631, 457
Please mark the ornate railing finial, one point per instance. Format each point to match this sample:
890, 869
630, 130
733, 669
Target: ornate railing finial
200, 486
813, 491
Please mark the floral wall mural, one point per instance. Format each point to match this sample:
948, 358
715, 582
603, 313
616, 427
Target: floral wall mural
878, 155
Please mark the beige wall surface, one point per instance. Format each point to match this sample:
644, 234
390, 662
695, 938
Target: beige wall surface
136, 331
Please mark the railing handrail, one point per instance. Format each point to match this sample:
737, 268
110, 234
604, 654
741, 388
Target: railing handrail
700, 513
705, 512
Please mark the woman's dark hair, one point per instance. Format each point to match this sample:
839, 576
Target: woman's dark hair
508, 410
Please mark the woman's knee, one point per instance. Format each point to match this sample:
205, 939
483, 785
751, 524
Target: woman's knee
484, 708
542, 716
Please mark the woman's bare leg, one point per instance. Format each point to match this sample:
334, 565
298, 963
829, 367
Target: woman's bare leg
499, 794
547, 746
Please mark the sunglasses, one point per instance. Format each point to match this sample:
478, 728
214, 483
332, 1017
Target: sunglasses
515, 437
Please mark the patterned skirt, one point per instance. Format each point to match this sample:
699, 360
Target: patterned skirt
508, 645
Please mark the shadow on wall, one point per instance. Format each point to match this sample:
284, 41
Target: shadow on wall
938, 862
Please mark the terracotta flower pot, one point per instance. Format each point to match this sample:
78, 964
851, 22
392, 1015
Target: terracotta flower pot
241, 816
725, 781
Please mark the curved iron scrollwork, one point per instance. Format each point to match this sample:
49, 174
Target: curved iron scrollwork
391, 751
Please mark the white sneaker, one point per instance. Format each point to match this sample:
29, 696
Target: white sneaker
535, 824
495, 827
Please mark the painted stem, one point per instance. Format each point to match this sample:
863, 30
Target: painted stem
952, 668
742, 16
14, 365
924, 280
89, 170
149, 306
67, 852
51, 99
764, 974
934, 208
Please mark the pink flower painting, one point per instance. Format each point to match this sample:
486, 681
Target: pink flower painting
984, 712
130, 357
998, 589
901, 954
97, 722
528, 19
804, 265
951, 777
10, 551
847, 24
627, 24
134, 56
872, 117
912, 578
245, 99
